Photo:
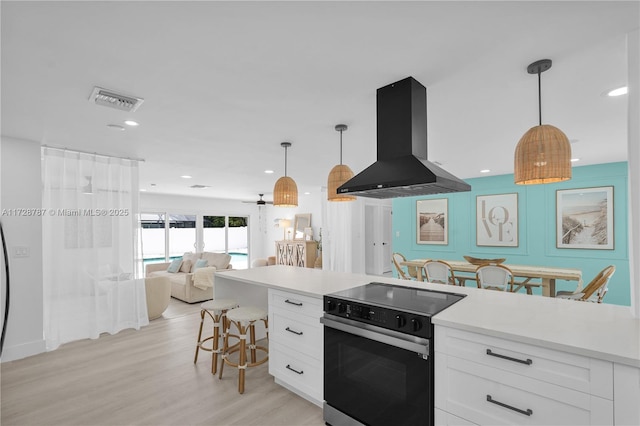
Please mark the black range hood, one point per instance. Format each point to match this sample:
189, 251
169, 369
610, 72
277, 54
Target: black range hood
402, 169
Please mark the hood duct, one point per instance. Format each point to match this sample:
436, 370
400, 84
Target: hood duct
402, 169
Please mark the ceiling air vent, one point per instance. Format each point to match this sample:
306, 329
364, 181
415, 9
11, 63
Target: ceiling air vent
199, 186
109, 98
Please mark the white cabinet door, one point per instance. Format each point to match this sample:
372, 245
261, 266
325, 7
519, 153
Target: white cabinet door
626, 395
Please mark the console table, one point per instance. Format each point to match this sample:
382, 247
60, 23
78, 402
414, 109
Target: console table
300, 253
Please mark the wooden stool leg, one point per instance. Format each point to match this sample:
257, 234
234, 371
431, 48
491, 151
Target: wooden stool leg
252, 342
225, 346
217, 323
195, 359
242, 362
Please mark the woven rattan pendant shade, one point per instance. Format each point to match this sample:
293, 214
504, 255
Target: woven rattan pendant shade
285, 191
339, 175
543, 155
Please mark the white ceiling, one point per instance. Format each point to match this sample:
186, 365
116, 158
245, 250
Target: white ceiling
225, 82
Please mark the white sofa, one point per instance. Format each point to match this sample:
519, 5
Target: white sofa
188, 284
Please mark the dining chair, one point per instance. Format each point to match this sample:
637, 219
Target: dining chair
396, 258
411, 272
439, 271
494, 277
594, 291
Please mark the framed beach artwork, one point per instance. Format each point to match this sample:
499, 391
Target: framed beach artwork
432, 225
497, 220
584, 218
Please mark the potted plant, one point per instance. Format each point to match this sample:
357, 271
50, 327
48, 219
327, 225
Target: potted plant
318, 263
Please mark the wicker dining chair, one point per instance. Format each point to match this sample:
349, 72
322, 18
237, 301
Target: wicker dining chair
410, 273
594, 291
439, 271
494, 277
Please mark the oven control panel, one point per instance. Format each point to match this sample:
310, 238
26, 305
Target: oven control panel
391, 319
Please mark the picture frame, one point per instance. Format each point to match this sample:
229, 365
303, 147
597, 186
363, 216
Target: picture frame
432, 221
584, 218
497, 220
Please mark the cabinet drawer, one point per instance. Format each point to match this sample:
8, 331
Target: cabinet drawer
487, 395
561, 368
442, 418
296, 370
301, 333
300, 304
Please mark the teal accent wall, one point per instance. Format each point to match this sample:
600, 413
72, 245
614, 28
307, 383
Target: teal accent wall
537, 227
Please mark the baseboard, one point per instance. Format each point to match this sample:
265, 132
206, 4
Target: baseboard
12, 353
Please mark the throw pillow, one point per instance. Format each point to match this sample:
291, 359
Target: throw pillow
200, 263
219, 260
192, 257
186, 266
175, 265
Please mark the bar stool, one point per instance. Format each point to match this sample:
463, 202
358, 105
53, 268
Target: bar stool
217, 311
244, 319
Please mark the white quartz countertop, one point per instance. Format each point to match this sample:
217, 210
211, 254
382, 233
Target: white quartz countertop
603, 331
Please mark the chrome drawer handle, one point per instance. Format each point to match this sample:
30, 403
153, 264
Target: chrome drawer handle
294, 370
521, 361
293, 303
526, 412
299, 333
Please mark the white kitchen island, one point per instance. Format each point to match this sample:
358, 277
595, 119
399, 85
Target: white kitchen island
584, 363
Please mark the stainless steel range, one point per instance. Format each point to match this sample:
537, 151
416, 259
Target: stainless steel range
378, 354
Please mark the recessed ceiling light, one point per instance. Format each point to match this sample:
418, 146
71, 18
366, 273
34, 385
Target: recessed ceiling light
618, 92
307, 193
131, 123
485, 171
268, 172
573, 160
143, 190
186, 177
115, 127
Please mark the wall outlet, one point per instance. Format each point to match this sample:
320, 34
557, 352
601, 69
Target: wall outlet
21, 252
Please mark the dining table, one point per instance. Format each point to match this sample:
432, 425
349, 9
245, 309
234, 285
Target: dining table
547, 274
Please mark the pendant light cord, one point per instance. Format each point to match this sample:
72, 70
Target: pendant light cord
539, 99
285, 161
341, 147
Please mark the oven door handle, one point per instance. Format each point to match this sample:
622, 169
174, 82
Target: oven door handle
389, 337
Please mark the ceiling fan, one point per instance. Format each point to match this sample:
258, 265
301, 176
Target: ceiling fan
259, 202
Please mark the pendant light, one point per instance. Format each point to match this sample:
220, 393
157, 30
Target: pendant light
285, 192
543, 154
339, 175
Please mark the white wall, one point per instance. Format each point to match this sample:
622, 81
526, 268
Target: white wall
21, 185
633, 58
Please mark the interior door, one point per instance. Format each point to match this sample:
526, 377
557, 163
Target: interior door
377, 239
385, 231
369, 241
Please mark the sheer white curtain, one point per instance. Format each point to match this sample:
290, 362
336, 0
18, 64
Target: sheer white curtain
337, 238
90, 243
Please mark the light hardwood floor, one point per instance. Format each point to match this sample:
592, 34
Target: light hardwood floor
144, 377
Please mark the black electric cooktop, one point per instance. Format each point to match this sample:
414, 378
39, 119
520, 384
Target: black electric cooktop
411, 300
